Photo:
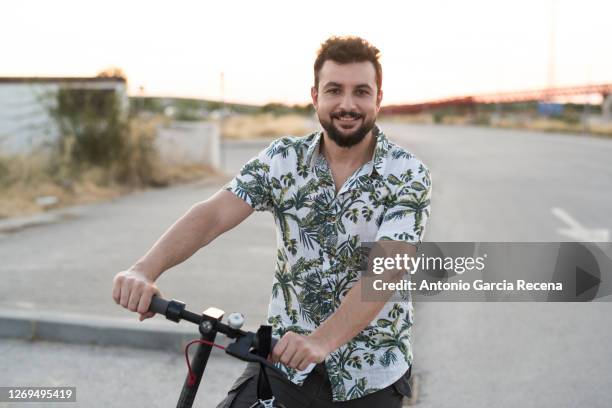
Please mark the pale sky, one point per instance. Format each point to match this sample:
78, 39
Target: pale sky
266, 49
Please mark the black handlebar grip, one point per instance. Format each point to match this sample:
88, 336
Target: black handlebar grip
158, 305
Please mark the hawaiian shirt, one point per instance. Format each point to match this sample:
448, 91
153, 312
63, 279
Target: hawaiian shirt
319, 234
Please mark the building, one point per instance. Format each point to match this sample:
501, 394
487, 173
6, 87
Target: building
26, 106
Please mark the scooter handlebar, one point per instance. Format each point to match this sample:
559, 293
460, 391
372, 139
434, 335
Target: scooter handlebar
159, 305
175, 310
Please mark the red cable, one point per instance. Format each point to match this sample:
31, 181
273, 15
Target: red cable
192, 377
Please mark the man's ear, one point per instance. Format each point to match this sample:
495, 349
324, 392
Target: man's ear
379, 96
314, 93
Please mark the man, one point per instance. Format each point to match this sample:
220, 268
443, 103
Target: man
329, 192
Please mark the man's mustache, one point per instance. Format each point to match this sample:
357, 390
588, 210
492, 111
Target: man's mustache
354, 115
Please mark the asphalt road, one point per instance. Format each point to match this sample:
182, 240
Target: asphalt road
110, 376
489, 185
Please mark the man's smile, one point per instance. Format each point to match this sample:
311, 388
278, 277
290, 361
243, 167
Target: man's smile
347, 121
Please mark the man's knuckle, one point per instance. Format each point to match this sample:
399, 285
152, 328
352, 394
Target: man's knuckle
128, 284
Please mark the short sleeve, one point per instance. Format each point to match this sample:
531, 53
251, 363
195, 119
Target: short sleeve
252, 183
406, 215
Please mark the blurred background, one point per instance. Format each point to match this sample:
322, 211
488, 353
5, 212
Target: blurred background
115, 117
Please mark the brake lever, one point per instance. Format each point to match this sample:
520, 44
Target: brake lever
241, 348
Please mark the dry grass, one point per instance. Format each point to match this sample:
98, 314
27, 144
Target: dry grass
554, 125
421, 118
601, 128
265, 125
23, 179
20, 199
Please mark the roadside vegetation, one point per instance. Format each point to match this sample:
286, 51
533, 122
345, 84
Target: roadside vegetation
102, 151
266, 125
236, 121
569, 118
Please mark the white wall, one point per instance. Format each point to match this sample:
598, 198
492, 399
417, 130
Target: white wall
190, 142
24, 120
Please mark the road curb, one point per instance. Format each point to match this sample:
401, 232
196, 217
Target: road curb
15, 224
86, 329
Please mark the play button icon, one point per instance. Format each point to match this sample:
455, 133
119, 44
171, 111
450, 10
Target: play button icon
579, 272
585, 281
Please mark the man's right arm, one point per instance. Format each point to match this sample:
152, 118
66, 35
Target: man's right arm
134, 287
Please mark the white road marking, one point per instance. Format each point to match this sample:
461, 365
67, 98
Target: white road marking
577, 231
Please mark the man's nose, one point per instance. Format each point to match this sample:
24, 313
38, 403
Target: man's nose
348, 103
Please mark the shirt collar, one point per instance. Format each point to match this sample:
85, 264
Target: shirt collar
380, 151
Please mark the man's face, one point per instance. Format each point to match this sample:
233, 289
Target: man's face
347, 101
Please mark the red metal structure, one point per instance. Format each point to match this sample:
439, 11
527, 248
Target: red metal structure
505, 97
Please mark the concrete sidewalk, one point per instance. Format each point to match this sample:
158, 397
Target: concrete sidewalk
155, 334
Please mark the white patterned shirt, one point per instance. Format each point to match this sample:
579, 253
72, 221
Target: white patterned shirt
319, 234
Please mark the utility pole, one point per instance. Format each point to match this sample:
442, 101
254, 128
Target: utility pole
551, 48
586, 111
222, 91
222, 118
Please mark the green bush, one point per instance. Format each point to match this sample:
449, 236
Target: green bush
91, 125
97, 137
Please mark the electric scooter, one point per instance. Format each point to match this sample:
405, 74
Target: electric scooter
248, 346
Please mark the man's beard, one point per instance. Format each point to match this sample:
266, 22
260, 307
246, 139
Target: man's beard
350, 139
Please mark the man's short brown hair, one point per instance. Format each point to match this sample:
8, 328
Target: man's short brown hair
344, 50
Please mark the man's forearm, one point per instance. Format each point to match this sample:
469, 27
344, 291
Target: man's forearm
351, 317
135, 287
355, 313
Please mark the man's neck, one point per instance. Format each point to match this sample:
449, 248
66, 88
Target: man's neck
353, 156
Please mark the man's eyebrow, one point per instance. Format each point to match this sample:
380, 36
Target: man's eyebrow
336, 84
331, 84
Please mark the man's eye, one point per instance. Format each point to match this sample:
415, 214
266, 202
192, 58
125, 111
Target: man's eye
362, 92
333, 91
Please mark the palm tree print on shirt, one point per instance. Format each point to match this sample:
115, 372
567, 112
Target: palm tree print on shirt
318, 257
